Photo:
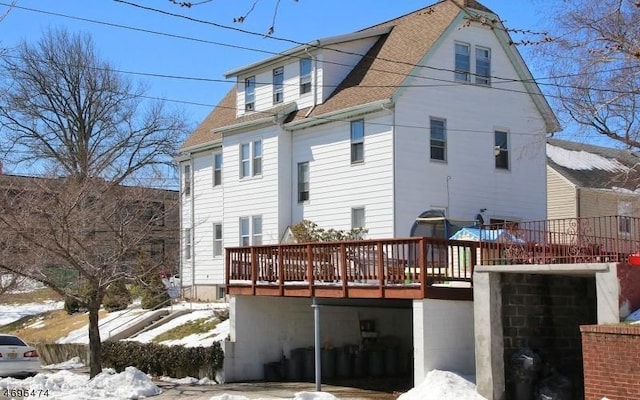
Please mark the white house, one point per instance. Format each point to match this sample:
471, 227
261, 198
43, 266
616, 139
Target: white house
435, 109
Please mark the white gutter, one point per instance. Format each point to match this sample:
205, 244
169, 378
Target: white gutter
184, 152
340, 115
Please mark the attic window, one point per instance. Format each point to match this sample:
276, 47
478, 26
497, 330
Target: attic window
463, 62
278, 80
305, 75
483, 66
249, 93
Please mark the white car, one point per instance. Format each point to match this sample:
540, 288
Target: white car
17, 358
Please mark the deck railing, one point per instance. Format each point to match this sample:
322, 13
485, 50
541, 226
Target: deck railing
561, 241
417, 262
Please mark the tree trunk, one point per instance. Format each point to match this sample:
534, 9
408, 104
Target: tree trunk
95, 344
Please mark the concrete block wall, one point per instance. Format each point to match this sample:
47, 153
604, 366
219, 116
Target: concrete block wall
543, 313
611, 357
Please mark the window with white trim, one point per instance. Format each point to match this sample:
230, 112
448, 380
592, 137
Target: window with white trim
249, 93
357, 218
186, 180
463, 62
438, 139
625, 211
305, 75
217, 169
303, 182
251, 230
187, 243
251, 158
278, 81
217, 240
483, 66
357, 141
501, 149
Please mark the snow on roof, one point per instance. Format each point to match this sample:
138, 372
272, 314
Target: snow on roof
583, 160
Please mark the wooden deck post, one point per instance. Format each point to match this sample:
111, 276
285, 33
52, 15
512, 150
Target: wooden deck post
227, 266
343, 268
381, 274
422, 255
310, 268
280, 269
254, 269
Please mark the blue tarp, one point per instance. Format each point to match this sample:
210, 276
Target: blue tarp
486, 235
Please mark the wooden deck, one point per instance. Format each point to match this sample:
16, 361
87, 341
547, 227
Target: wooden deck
418, 268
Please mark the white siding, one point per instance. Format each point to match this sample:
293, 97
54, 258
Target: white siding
336, 185
256, 195
468, 181
561, 196
186, 265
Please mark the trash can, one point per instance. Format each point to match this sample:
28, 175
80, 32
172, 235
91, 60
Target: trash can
344, 362
328, 363
525, 365
296, 365
555, 387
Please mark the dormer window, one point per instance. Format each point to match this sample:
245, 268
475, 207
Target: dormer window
305, 75
249, 93
278, 80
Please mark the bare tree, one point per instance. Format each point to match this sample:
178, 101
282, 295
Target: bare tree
594, 57
65, 110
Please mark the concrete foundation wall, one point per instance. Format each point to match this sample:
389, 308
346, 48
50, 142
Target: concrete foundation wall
265, 328
443, 337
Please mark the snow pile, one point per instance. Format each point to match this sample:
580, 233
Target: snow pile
314, 396
443, 385
13, 312
65, 385
189, 380
69, 364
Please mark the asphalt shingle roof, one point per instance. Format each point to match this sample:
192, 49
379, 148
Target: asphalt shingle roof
376, 77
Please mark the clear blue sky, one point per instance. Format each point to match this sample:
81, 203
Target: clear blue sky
137, 51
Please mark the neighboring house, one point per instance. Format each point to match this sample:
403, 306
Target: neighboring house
585, 180
435, 109
150, 214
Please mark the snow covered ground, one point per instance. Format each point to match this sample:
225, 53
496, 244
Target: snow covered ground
62, 383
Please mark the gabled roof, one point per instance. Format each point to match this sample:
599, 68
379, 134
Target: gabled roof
375, 78
595, 167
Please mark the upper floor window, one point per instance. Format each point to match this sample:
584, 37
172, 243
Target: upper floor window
501, 149
278, 81
305, 75
251, 230
483, 66
186, 180
463, 62
303, 182
217, 169
625, 211
217, 240
187, 243
251, 158
249, 93
438, 139
357, 141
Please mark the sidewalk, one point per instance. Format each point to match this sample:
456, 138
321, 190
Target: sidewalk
264, 390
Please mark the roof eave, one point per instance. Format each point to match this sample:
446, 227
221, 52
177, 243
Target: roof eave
314, 45
339, 115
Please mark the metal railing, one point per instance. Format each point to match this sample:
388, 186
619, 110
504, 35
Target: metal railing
561, 241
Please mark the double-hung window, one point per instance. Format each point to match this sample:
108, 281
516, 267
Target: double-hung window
217, 240
186, 180
463, 62
278, 81
305, 75
483, 66
501, 149
251, 158
303, 182
217, 169
438, 139
251, 230
187, 243
357, 141
357, 218
250, 93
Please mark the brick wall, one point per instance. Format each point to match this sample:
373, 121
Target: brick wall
544, 313
611, 356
